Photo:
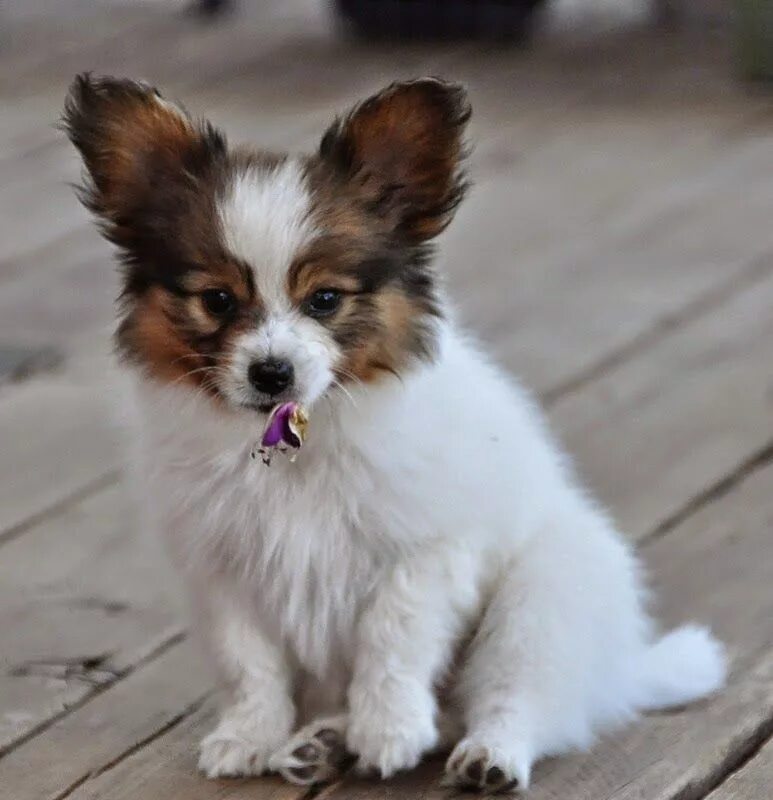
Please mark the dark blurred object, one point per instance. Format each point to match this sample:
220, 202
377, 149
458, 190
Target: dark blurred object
211, 8
755, 38
439, 19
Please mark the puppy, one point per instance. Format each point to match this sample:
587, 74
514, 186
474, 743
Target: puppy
428, 573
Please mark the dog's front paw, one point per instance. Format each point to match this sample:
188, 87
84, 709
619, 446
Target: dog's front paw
483, 767
315, 754
224, 756
244, 739
391, 734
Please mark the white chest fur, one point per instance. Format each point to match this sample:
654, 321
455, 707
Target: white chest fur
301, 543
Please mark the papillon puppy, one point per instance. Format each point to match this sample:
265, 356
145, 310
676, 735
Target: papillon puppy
427, 574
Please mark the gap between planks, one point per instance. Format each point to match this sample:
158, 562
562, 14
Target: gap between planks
139, 745
168, 643
99, 484
734, 769
758, 269
751, 780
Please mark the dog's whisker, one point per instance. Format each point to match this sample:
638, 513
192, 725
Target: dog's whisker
192, 372
338, 385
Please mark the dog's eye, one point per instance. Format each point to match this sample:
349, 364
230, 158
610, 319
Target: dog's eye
323, 302
219, 302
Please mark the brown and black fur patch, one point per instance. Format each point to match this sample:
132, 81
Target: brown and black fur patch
171, 333
152, 178
389, 302
385, 182
403, 151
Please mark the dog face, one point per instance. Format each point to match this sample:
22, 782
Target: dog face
258, 278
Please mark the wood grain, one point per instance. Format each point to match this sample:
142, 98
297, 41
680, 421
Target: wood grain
84, 596
58, 438
752, 781
114, 723
660, 429
166, 769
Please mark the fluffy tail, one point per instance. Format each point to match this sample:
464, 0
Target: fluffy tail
682, 666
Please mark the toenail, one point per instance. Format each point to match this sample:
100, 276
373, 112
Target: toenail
475, 771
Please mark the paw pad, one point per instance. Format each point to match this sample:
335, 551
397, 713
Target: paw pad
480, 768
306, 752
312, 756
474, 771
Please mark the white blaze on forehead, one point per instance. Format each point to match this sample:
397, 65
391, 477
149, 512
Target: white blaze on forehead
265, 222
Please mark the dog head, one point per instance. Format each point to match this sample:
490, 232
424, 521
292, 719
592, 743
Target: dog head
258, 277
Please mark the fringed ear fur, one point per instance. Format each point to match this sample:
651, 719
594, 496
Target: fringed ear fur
403, 150
132, 142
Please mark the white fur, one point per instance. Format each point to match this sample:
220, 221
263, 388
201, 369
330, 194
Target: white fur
430, 532
266, 219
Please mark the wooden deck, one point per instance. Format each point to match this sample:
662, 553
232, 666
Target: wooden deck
617, 252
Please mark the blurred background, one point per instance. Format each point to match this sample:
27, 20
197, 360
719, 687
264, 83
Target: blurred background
615, 252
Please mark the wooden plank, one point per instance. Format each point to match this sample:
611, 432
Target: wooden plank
753, 782
166, 769
107, 40
154, 697
714, 568
38, 40
57, 439
36, 204
557, 290
275, 78
84, 596
60, 292
659, 430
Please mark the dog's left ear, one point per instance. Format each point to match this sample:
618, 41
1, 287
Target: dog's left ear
402, 150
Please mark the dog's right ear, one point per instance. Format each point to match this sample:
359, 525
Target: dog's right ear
403, 149
133, 143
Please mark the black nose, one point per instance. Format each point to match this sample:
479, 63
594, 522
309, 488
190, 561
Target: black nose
270, 377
